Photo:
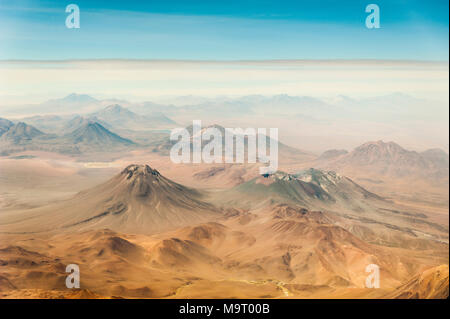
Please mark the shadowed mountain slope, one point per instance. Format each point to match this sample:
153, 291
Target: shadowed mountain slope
94, 134
5, 125
20, 133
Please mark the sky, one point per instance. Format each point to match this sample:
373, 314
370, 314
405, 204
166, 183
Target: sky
224, 30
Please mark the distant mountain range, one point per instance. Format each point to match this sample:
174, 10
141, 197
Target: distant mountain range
120, 117
284, 150
104, 130
388, 159
382, 114
89, 136
113, 116
74, 98
76, 134
66, 105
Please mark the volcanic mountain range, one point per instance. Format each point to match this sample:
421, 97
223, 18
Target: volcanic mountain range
87, 137
193, 244
116, 126
140, 200
108, 130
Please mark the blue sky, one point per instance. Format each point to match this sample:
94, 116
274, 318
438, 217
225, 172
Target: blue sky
224, 30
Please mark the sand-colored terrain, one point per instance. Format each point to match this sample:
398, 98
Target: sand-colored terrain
136, 232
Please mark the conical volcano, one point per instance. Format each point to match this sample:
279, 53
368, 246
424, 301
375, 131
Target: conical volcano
137, 200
